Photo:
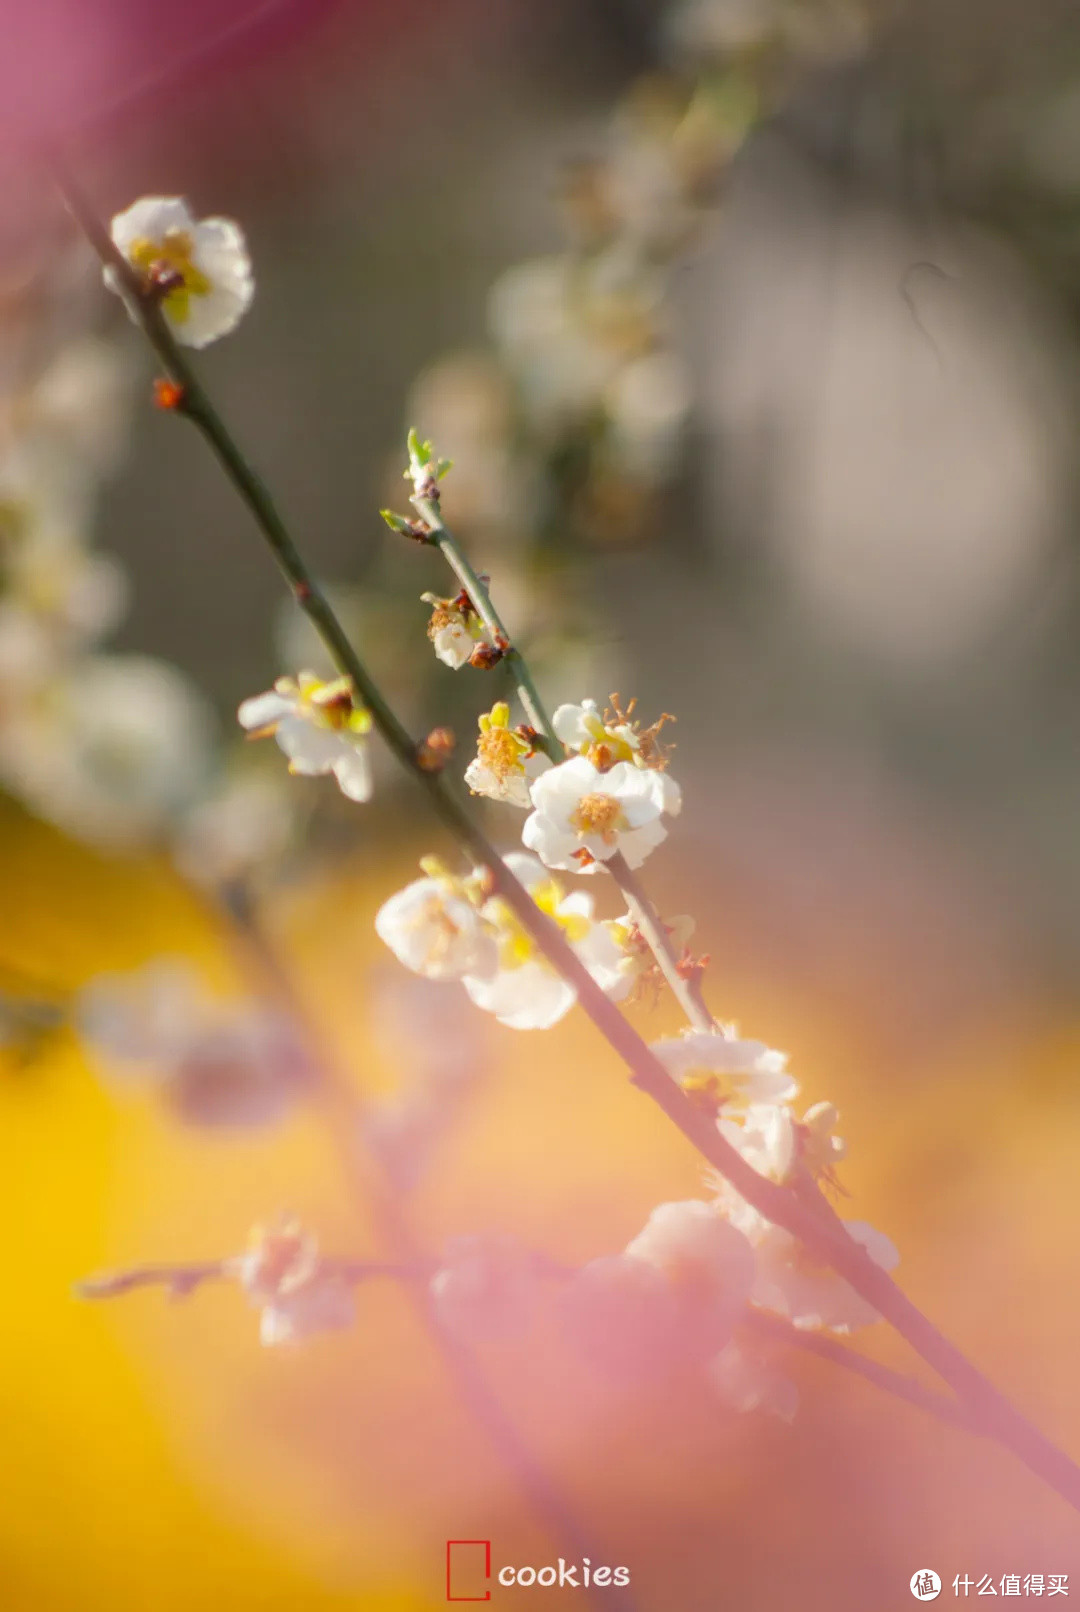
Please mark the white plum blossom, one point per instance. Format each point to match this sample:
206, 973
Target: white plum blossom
112, 751
455, 630
218, 1064
284, 1277
615, 735
672, 1295
319, 727
766, 1136
434, 926
582, 816
745, 1383
791, 1281
447, 927
693, 1239
524, 991
506, 761
725, 1070
201, 266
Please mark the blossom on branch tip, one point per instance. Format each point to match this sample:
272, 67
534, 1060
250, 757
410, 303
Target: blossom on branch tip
506, 760
426, 469
583, 816
319, 727
728, 1072
199, 268
283, 1276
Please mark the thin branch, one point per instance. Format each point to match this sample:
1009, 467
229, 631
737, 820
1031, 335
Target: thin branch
777, 1203
941, 1406
439, 534
184, 1279
685, 989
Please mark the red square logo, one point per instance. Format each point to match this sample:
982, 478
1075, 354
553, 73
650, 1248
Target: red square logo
468, 1566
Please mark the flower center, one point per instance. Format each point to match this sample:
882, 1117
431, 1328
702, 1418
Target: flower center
599, 814
174, 251
500, 751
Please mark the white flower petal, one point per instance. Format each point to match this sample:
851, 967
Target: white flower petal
262, 709
352, 769
530, 997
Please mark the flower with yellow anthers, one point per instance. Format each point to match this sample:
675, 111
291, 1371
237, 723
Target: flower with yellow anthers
637, 959
506, 761
777, 1145
282, 1274
616, 735
434, 926
525, 992
583, 816
319, 727
454, 630
734, 1074
201, 267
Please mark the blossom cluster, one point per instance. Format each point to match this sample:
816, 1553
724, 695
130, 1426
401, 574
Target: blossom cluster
597, 794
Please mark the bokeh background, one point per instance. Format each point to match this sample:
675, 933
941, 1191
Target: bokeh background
802, 473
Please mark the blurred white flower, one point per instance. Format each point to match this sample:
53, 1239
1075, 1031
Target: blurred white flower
537, 321
77, 409
705, 27
244, 826
791, 1282
672, 1296
111, 751
647, 403
55, 600
583, 816
318, 726
434, 927
486, 1286
725, 1070
745, 1383
216, 1063
282, 1274
505, 762
765, 1135
525, 992
201, 265
692, 1239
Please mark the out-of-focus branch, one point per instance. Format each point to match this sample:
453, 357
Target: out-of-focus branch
183, 1279
773, 1328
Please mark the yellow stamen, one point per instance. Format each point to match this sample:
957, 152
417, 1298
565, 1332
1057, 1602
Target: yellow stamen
601, 815
174, 251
